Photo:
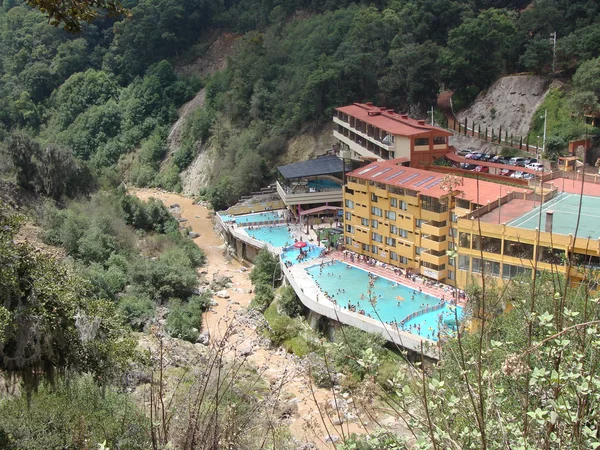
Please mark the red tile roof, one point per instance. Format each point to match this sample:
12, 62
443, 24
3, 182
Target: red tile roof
391, 122
428, 183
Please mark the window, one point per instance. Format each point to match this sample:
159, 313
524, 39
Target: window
374, 249
438, 140
451, 275
349, 228
394, 256
403, 205
453, 233
551, 255
453, 217
393, 229
491, 268
403, 233
394, 202
510, 271
377, 237
518, 249
365, 247
374, 224
349, 204
452, 246
348, 216
374, 198
464, 240
418, 250
452, 262
364, 222
390, 215
488, 244
463, 262
476, 268
422, 141
419, 222
396, 190
390, 241
348, 240
404, 260
462, 203
433, 204
376, 211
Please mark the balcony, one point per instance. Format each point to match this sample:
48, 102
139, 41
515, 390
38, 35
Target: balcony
302, 195
388, 147
434, 245
432, 259
435, 274
434, 231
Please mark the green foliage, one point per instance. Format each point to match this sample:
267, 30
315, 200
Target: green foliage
292, 334
263, 296
266, 268
136, 311
48, 170
56, 324
73, 414
352, 345
289, 303
563, 121
184, 321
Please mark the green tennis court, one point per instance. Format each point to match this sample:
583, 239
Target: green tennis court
565, 207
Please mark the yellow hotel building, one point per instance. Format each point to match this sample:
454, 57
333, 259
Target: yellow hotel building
402, 216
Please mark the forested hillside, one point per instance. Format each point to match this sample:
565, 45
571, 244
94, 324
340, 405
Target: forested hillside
108, 94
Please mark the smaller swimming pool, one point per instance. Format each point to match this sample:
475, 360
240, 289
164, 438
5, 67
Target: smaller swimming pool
277, 236
267, 216
430, 323
324, 184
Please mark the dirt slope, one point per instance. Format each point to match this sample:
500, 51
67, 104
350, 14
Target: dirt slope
509, 103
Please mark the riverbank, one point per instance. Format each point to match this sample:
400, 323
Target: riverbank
279, 368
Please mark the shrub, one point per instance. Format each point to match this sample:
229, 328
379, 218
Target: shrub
266, 268
289, 303
73, 414
136, 311
263, 296
183, 321
352, 345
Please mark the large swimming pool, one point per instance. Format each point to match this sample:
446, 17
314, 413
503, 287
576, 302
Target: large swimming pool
277, 236
394, 301
267, 216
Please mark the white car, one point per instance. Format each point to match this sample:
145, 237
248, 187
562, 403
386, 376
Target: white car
535, 166
518, 174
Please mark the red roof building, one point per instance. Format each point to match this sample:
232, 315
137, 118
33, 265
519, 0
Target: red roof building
370, 133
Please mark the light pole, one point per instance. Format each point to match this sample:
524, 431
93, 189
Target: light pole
537, 148
545, 123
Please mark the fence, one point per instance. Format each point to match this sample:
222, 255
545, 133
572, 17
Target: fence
516, 142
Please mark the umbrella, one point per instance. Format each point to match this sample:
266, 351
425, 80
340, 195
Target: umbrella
300, 244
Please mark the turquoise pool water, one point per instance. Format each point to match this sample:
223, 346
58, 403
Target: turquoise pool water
277, 236
290, 253
347, 284
253, 218
430, 322
324, 184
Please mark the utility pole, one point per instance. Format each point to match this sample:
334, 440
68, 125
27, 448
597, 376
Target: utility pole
554, 52
544, 139
432, 124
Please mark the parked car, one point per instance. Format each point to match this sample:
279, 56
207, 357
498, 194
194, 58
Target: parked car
498, 159
521, 164
528, 176
535, 166
530, 160
482, 169
474, 155
518, 174
486, 157
515, 160
463, 152
468, 166
506, 172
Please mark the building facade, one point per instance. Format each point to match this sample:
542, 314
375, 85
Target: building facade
370, 132
407, 218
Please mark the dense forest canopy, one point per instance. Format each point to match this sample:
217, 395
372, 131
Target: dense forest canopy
109, 93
